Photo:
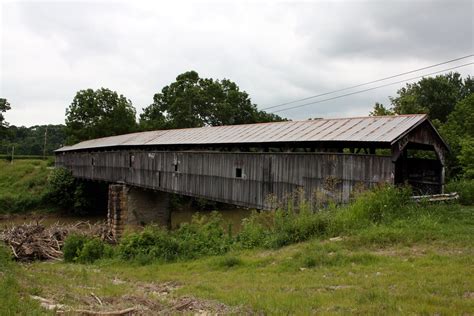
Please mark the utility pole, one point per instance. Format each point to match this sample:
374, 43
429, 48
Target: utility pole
45, 138
13, 153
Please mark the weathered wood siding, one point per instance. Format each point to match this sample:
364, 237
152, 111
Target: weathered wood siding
212, 175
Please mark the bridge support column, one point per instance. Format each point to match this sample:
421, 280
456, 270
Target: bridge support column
132, 206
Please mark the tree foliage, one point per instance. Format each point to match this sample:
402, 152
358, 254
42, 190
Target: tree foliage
380, 110
435, 96
192, 101
98, 113
75, 196
31, 140
4, 106
466, 157
459, 132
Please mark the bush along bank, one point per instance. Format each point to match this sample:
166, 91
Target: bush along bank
385, 214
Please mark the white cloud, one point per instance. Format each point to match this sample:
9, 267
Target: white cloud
277, 52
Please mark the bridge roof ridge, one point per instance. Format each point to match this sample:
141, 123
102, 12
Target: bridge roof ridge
353, 129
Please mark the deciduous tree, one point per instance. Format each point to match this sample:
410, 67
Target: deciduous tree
459, 132
435, 96
192, 101
99, 113
380, 110
4, 106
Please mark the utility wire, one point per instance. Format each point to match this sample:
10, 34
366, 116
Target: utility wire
366, 83
369, 89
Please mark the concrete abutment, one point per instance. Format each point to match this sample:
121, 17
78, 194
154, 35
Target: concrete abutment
132, 206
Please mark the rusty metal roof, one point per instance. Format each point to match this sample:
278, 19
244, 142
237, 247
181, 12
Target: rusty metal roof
386, 129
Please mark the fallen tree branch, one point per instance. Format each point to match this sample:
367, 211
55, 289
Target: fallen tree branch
96, 298
34, 241
123, 312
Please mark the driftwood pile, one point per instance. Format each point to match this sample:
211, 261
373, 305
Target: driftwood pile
35, 241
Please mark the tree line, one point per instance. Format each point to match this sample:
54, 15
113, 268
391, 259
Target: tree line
192, 101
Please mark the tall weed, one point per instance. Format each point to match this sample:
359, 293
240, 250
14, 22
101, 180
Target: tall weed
384, 215
380, 205
274, 229
282, 227
204, 236
465, 188
13, 298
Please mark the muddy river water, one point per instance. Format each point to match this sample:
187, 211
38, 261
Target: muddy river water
231, 216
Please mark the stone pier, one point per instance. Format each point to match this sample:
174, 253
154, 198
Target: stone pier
132, 206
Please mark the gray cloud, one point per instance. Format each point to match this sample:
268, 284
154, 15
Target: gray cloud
394, 29
276, 52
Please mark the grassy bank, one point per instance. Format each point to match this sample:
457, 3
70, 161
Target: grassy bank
22, 185
418, 272
403, 265
380, 254
14, 299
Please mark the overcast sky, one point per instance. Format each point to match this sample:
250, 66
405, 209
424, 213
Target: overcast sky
276, 51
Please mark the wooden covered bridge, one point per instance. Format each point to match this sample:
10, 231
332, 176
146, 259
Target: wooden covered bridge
246, 164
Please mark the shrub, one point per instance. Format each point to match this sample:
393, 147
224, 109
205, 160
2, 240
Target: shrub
152, 243
61, 186
92, 250
73, 246
65, 192
465, 188
256, 229
203, 236
83, 249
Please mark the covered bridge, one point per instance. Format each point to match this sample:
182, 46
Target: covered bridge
246, 164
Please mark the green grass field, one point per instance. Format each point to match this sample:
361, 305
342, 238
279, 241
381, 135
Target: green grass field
375, 256
388, 269
22, 184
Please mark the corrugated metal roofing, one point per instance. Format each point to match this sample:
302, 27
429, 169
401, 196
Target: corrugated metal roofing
356, 129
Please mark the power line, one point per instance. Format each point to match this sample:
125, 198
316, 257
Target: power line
366, 83
369, 89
